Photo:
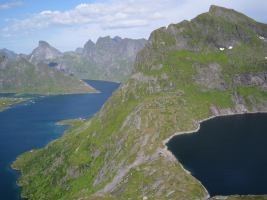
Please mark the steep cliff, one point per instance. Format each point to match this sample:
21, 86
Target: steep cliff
107, 59
212, 65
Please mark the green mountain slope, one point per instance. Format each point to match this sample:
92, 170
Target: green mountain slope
213, 65
18, 75
5, 102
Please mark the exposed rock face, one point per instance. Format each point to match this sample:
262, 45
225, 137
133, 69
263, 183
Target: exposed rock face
107, 59
109, 49
180, 78
218, 28
43, 53
210, 76
252, 79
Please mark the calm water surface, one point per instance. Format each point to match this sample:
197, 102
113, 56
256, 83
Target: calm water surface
32, 125
228, 154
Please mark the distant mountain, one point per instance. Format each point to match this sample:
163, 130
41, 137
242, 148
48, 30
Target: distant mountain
108, 59
8, 54
44, 53
113, 57
212, 65
18, 75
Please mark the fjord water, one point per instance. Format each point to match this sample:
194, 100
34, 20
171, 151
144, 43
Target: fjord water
228, 154
33, 124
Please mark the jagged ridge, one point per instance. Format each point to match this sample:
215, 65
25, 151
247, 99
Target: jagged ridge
108, 59
181, 77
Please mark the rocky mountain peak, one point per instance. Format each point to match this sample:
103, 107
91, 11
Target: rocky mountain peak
88, 48
89, 44
44, 52
218, 9
103, 39
7, 53
43, 44
218, 29
112, 46
229, 14
117, 39
106, 59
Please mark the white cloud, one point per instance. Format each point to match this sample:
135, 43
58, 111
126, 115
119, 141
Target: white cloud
127, 18
111, 14
117, 14
8, 5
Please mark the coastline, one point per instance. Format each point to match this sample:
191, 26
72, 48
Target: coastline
68, 122
94, 91
13, 102
172, 156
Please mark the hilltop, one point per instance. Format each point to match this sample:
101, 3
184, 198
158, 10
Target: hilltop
18, 75
214, 64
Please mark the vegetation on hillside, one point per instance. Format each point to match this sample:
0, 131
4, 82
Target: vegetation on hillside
6, 102
180, 78
18, 75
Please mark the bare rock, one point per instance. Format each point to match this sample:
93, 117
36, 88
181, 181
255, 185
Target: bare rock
210, 76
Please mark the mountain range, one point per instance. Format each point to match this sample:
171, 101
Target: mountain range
109, 58
48, 71
214, 64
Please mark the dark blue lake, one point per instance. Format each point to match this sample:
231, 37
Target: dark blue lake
32, 125
228, 154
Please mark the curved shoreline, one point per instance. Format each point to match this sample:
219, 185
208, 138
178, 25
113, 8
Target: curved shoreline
172, 156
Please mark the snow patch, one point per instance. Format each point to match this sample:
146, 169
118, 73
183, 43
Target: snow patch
230, 47
221, 49
261, 37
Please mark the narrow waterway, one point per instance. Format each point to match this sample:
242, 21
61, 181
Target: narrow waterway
33, 124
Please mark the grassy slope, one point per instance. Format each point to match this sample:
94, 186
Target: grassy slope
20, 76
125, 138
5, 103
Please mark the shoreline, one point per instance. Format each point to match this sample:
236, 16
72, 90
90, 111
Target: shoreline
172, 156
14, 102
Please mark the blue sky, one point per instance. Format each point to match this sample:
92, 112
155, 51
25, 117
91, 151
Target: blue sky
68, 24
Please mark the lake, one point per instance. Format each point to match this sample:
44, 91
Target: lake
228, 155
33, 124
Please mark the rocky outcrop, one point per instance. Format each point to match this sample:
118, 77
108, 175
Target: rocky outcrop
107, 59
186, 73
252, 79
44, 53
210, 76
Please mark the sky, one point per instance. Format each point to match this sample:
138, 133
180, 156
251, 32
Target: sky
68, 24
